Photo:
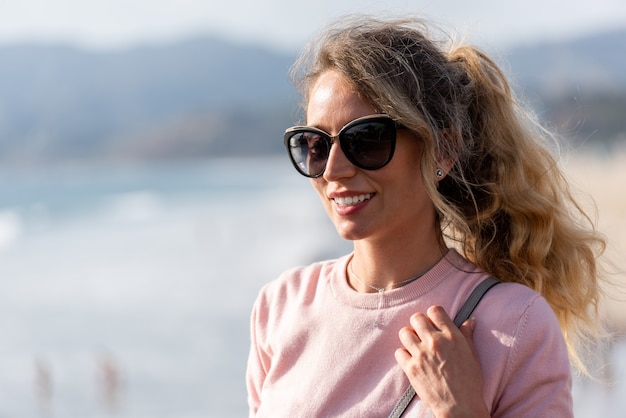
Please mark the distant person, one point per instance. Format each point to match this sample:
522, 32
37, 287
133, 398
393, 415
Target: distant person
109, 381
423, 158
43, 386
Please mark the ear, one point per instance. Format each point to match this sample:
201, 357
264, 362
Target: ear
442, 169
446, 160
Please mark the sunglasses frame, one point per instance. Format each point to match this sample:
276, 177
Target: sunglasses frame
387, 120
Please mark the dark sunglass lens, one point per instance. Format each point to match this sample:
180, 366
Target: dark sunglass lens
369, 145
309, 152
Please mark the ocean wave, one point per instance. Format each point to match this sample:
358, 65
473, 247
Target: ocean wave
10, 228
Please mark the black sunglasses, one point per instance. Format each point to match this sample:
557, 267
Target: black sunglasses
367, 142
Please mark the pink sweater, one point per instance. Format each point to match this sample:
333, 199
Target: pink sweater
316, 353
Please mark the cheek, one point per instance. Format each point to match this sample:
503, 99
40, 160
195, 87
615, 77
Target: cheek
408, 182
411, 156
318, 185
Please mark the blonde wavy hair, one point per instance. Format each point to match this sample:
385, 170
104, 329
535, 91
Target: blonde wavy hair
504, 203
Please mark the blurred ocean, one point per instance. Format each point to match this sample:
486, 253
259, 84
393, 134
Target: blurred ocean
125, 292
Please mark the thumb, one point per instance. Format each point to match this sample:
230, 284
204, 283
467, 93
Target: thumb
467, 329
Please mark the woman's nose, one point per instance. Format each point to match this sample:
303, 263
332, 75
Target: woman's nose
338, 165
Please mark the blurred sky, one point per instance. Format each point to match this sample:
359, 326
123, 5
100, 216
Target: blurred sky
287, 24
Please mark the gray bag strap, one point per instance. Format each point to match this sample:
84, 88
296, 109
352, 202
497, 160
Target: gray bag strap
462, 316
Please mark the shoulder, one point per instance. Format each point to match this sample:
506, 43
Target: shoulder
507, 302
521, 348
300, 282
293, 295
518, 302
514, 311
520, 321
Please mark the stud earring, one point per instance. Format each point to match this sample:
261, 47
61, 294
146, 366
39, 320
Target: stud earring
439, 173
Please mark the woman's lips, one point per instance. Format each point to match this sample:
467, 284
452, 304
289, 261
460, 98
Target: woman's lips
348, 205
352, 200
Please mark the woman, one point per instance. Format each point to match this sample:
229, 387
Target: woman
424, 160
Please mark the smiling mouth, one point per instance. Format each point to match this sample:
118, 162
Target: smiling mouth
352, 200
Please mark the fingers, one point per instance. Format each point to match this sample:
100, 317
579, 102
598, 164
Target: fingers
434, 320
440, 318
467, 329
431, 326
409, 339
402, 356
425, 327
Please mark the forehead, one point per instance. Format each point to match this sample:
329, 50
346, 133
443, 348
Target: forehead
333, 102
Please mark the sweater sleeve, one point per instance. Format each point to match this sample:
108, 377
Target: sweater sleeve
537, 377
256, 371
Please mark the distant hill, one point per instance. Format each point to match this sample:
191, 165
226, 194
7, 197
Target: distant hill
58, 102
577, 86
596, 62
207, 96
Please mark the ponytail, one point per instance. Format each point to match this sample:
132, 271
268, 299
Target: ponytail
510, 208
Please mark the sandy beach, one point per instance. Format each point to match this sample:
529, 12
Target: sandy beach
601, 182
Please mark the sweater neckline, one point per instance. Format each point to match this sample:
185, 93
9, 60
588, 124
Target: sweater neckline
338, 282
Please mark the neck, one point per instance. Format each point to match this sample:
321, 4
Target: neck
390, 265
390, 286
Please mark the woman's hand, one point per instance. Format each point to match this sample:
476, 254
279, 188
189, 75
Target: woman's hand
440, 361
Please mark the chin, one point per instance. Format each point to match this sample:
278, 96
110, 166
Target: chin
351, 233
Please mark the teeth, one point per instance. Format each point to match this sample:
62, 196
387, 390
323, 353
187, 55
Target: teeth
352, 200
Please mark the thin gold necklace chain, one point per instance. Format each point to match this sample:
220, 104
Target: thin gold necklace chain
382, 289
